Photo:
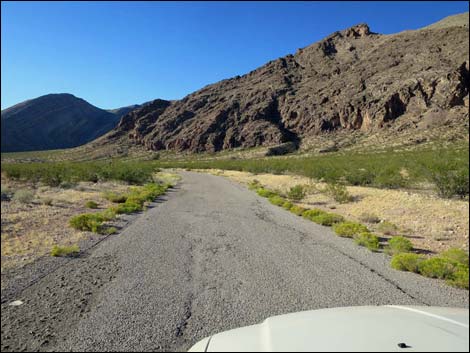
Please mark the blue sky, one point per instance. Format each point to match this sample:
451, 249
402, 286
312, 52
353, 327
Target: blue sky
115, 54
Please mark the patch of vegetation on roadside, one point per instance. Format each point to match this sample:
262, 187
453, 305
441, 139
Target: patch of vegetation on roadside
349, 229
339, 192
368, 240
91, 204
296, 193
61, 251
387, 228
397, 245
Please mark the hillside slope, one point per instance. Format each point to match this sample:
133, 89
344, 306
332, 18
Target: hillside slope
353, 80
55, 121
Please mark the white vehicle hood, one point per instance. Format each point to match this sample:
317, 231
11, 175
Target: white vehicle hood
360, 329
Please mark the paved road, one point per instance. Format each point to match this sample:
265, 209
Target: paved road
215, 256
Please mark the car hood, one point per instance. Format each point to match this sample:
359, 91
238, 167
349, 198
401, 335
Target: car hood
369, 328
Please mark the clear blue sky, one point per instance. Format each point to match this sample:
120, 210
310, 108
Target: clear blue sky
119, 53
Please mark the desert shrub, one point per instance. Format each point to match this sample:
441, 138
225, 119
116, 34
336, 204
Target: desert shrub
387, 228
72, 250
327, 219
254, 185
369, 240
309, 214
360, 177
349, 229
277, 200
390, 178
406, 262
90, 222
457, 255
91, 204
24, 196
66, 185
451, 181
114, 197
459, 278
339, 192
128, 207
107, 215
47, 201
437, 267
296, 193
287, 205
297, 210
398, 244
369, 218
109, 230
265, 192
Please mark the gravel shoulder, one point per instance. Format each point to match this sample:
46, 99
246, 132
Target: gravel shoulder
209, 256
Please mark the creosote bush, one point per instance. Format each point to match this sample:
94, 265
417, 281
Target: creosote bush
59, 251
457, 255
407, 262
91, 204
296, 193
327, 219
24, 196
437, 267
369, 240
114, 197
349, 229
339, 192
398, 244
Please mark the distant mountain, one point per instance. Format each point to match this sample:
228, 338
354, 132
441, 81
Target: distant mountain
353, 80
55, 121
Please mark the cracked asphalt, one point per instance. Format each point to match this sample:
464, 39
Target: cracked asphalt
215, 256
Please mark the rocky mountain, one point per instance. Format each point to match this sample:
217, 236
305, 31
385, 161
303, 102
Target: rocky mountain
352, 80
55, 121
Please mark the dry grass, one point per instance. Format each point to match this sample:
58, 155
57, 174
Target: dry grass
430, 222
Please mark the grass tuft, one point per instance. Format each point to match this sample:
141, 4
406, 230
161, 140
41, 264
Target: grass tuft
61, 251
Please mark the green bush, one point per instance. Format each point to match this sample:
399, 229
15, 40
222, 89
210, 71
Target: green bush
437, 267
398, 245
349, 229
297, 210
89, 222
339, 192
114, 197
407, 262
459, 278
109, 230
310, 214
265, 192
369, 240
327, 219
296, 193
287, 205
451, 181
127, 207
72, 250
277, 200
91, 204
24, 196
457, 255
387, 228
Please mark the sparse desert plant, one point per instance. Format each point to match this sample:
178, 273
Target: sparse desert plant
369, 218
406, 262
327, 219
24, 196
369, 240
349, 229
47, 201
276, 200
114, 197
254, 184
310, 214
398, 244
297, 210
287, 205
60, 251
459, 278
90, 222
265, 192
296, 193
339, 192
387, 228
437, 267
91, 204
457, 255
451, 180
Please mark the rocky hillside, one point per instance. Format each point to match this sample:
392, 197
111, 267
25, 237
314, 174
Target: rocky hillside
55, 121
353, 80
